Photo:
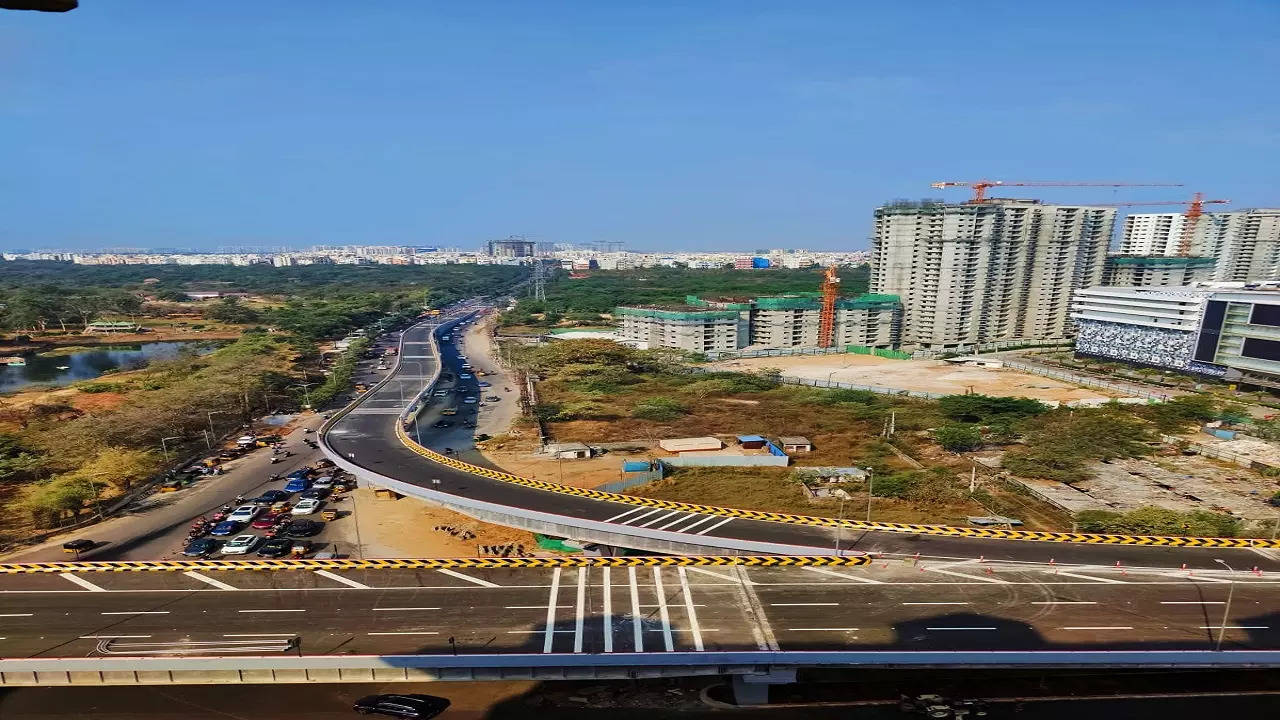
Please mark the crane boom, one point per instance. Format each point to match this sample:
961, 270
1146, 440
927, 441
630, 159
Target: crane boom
980, 187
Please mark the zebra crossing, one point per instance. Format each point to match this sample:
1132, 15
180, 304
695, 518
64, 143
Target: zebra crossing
673, 520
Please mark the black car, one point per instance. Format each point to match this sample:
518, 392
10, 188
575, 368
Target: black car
315, 493
270, 497
442, 424
302, 528
405, 706
275, 547
202, 547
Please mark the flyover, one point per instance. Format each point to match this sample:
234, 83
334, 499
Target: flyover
370, 440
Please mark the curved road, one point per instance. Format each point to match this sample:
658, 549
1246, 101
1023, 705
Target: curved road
366, 437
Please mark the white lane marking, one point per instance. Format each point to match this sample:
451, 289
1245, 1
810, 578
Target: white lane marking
803, 604
534, 632
635, 611
662, 608
16, 614
208, 580
1109, 581
966, 576
1192, 602
1064, 602
960, 628
842, 576
72, 577
713, 527
705, 571
692, 525
1196, 578
641, 517
405, 632
110, 637
548, 639
689, 609
272, 611
393, 609
580, 610
1097, 627
935, 603
1235, 627
261, 635
659, 519
821, 629
607, 612
344, 581
677, 521
621, 515
532, 607
468, 578
136, 612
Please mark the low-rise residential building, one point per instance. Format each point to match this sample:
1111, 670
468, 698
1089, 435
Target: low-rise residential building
1226, 330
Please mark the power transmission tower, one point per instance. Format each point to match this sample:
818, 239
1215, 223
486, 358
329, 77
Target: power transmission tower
539, 288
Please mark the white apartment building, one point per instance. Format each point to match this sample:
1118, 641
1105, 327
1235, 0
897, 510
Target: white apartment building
688, 328
1244, 243
1000, 270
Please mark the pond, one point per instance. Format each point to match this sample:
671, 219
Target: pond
87, 364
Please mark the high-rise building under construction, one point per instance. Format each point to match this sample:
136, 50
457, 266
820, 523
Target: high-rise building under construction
1244, 244
986, 272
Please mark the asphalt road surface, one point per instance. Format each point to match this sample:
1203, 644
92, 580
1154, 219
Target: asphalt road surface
367, 437
888, 605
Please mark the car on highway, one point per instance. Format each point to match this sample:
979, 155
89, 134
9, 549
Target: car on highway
296, 485
442, 393
306, 506
469, 423
275, 547
270, 497
302, 528
442, 424
464, 376
449, 411
485, 384
404, 706
470, 399
226, 527
244, 513
240, 544
201, 547
266, 521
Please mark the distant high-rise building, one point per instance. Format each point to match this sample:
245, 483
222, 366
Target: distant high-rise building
1245, 244
1000, 270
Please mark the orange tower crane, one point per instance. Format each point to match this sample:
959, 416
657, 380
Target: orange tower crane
980, 187
1195, 209
827, 320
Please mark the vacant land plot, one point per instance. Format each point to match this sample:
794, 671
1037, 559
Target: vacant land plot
935, 376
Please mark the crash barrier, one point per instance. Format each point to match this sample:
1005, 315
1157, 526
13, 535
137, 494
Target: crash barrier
438, 563
938, 530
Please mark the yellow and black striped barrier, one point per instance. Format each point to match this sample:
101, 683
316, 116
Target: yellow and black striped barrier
439, 563
855, 525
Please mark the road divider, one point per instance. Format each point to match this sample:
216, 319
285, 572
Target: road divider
437, 563
854, 525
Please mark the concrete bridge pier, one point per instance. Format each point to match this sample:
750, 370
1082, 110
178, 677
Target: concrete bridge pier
753, 688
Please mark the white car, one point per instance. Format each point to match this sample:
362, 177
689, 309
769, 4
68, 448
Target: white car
240, 544
244, 513
464, 376
470, 400
322, 483
305, 506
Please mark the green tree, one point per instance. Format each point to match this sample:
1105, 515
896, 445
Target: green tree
659, 408
958, 438
230, 310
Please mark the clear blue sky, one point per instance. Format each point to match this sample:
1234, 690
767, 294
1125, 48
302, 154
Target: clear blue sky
665, 125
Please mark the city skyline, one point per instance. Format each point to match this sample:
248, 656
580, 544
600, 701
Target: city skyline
716, 126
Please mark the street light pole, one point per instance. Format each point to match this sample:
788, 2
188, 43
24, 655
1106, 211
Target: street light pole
870, 492
165, 448
1226, 611
840, 524
214, 433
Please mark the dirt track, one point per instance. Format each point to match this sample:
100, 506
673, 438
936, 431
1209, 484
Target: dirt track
936, 376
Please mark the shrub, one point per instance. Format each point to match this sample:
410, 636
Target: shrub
985, 409
958, 438
1158, 521
658, 408
100, 387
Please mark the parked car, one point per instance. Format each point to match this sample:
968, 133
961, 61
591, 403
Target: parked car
302, 528
240, 544
306, 506
323, 482
404, 706
201, 547
275, 547
78, 546
485, 384
266, 521
492, 398
226, 527
296, 485
316, 494
244, 513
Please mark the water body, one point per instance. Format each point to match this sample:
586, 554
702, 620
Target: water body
87, 364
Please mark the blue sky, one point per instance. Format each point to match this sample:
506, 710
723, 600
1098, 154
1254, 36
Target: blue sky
664, 125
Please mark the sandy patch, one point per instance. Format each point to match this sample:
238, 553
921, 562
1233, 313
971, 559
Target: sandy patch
934, 376
406, 528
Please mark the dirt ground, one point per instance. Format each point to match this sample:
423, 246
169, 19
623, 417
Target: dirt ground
406, 528
934, 376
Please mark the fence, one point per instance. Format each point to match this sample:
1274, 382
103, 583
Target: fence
634, 479
924, 354
1218, 453
727, 461
811, 382
1130, 390
773, 352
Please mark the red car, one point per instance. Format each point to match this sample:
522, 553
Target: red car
267, 521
